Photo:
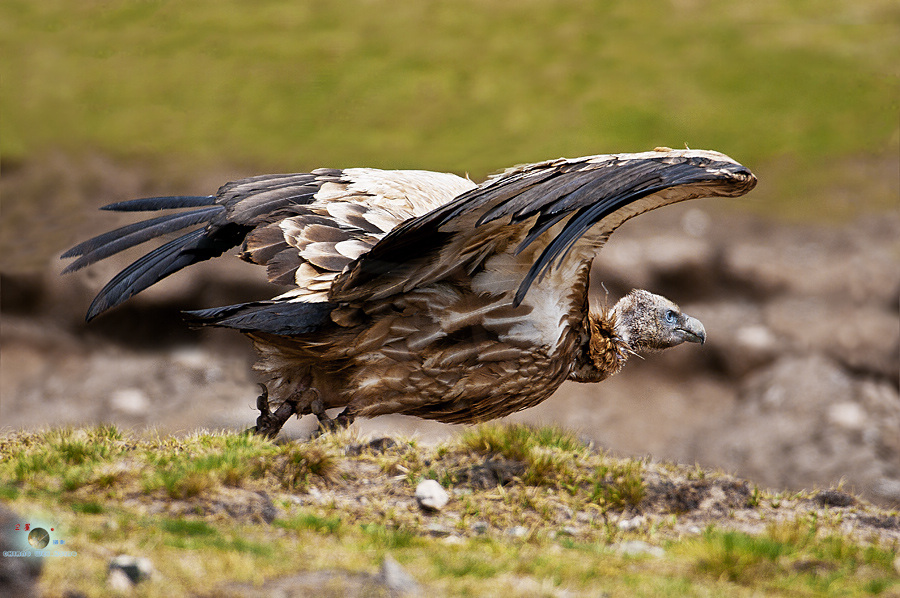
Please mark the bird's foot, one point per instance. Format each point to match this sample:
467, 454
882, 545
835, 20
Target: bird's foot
328, 424
268, 424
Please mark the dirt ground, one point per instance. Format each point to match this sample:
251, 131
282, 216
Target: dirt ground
797, 386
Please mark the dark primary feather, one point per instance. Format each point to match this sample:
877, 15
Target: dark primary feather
238, 208
147, 204
113, 242
188, 249
264, 198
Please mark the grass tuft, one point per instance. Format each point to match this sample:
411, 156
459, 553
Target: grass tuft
517, 441
295, 464
383, 536
619, 484
549, 453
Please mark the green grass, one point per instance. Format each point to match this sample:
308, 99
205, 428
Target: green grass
309, 521
463, 86
790, 557
354, 507
519, 441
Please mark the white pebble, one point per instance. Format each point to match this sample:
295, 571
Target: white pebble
430, 495
847, 414
130, 401
119, 582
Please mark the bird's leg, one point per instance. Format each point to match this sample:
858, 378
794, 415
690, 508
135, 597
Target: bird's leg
318, 409
268, 424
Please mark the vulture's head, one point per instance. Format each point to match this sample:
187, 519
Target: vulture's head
648, 322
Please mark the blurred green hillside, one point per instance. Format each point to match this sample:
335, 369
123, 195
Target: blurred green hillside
806, 91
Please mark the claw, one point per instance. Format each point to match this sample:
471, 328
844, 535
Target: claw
262, 401
328, 424
268, 424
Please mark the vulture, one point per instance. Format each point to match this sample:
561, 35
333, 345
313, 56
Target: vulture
422, 293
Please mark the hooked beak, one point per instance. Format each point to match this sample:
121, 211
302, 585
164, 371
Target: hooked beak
692, 330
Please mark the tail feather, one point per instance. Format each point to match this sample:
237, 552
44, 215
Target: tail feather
107, 244
273, 317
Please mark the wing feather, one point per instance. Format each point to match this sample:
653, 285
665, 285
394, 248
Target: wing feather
346, 235
521, 207
304, 227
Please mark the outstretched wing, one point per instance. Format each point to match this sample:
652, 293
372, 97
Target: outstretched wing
547, 209
345, 235
305, 228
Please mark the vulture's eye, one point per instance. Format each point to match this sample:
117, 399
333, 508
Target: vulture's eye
671, 316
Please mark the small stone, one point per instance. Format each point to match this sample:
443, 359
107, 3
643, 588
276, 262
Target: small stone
118, 581
431, 496
379, 445
480, 527
397, 579
834, 498
517, 531
136, 569
888, 489
190, 358
696, 222
847, 414
756, 337
584, 517
130, 401
629, 524
566, 512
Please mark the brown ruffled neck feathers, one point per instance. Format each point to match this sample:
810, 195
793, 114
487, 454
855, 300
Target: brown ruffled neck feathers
604, 352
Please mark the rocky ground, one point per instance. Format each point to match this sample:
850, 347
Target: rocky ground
797, 386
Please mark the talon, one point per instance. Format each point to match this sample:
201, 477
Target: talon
262, 401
